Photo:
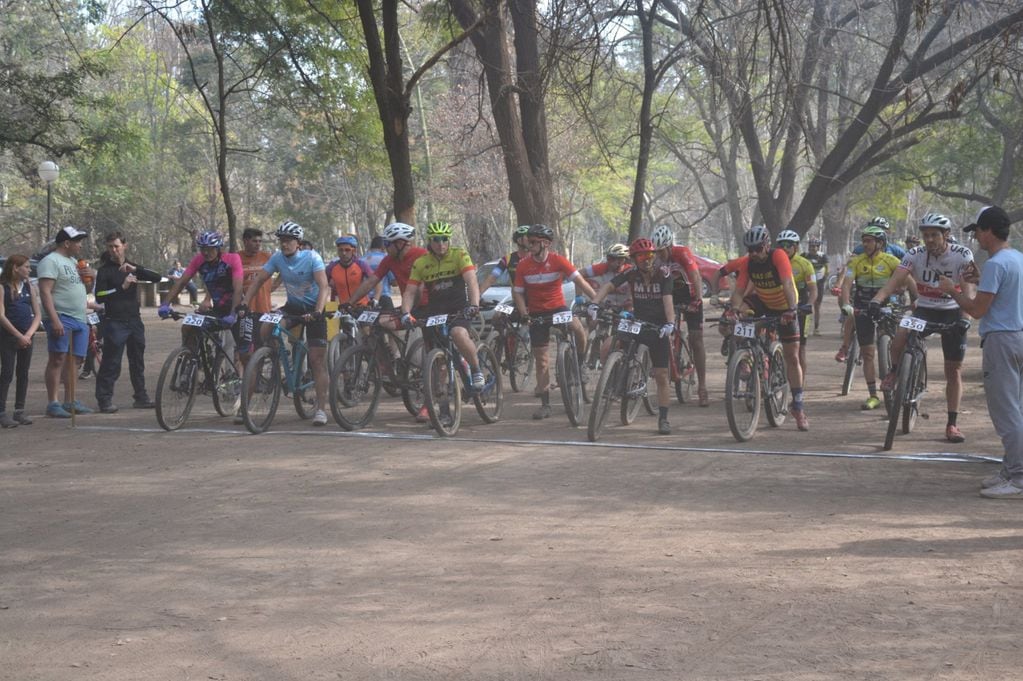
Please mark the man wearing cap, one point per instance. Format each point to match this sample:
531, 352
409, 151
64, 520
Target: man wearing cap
63, 297
998, 304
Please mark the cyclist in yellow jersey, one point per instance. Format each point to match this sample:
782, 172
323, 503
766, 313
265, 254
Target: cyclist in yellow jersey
805, 277
868, 271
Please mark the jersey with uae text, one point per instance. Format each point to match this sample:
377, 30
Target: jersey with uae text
926, 270
541, 282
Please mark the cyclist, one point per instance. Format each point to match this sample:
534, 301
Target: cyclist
766, 287
449, 278
222, 275
305, 280
652, 300
511, 261
806, 284
616, 260
866, 274
678, 264
912, 241
821, 266
372, 258
346, 272
927, 264
537, 291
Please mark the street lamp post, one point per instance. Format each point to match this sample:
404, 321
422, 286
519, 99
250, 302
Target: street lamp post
48, 173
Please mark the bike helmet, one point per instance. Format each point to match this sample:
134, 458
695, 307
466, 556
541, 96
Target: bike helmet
617, 251
520, 231
642, 245
873, 232
935, 221
438, 228
880, 222
663, 237
290, 230
399, 231
756, 237
210, 240
346, 240
814, 241
789, 235
541, 232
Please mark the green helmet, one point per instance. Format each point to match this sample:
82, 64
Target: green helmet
874, 232
520, 231
438, 228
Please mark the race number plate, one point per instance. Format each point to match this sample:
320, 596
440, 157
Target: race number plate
913, 324
368, 316
504, 309
625, 326
745, 330
194, 320
92, 318
562, 317
271, 317
436, 320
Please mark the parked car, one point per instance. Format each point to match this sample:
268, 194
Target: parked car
500, 293
708, 271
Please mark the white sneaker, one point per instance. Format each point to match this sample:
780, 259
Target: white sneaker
478, 380
1006, 490
320, 418
993, 480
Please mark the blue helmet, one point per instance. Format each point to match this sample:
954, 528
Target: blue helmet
210, 240
346, 240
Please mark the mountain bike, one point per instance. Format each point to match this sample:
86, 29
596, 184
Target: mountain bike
683, 368
346, 336
567, 366
367, 367
273, 369
624, 377
180, 375
911, 384
598, 337
510, 342
755, 375
447, 381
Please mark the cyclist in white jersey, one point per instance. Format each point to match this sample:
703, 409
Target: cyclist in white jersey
937, 257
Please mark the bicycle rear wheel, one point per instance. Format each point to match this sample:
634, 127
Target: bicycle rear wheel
175, 389
742, 394
355, 388
850, 364
918, 381
490, 400
261, 390
686, 383
443, 392
567, 367
304, 395
605, 394
412, 380
227, 385
777, 403
899, 397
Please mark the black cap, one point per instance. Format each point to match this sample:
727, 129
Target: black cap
70, 233
990, 217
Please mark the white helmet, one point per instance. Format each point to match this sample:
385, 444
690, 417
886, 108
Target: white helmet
935, 220
617, 251
399, 231
290, 230
787, 235
663, 237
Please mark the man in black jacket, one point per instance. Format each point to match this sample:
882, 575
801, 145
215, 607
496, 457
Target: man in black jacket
116, 289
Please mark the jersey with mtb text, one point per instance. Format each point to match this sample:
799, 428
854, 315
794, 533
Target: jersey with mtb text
647, 295
401, 268
767, 278
682, 270
540, 282
345, 279
442, 278
220, 278
297, 273
926, 270
599, 273
803, 274
819, 261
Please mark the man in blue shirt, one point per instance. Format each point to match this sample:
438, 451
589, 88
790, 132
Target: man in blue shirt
999, 306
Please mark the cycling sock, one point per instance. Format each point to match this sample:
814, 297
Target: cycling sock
952, 416
797, 398
872, 388
662, 412
545, 399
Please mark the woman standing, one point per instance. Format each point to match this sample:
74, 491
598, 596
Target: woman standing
19, 320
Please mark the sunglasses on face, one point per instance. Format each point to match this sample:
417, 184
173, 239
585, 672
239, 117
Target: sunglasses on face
644, 256
534, 242
758, 249
440, 239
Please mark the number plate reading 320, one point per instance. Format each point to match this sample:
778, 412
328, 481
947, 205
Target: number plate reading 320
625, 326
561, 317
436, 320
193, 320
913, 323
746, 330
271, 317
368, 316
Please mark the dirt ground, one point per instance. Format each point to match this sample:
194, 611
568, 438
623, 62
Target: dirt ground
514, 551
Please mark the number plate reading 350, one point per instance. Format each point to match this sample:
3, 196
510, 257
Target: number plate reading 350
562, 317
437, 320
746, 330
913, 323
92, 318
625, 326
504, 309
194, 320
271, 317
368, 316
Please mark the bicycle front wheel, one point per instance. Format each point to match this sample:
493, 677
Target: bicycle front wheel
490, 400
567, 367
742, 394
519, 357
175, 390
776, 404
605, 394
227, 385
850, 364
304, 395
918, 381
442, 388
899, 397
261, 390
636, 379
355, 387
412, 378
884, 366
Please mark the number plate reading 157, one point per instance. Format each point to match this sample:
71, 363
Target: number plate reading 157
913, 323
562, 317
194, 320
436, 320
746, 330
625, 326
92, 318
504, 309
271, 317
368, 316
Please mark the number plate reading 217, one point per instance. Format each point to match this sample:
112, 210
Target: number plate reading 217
745, 330
913, 323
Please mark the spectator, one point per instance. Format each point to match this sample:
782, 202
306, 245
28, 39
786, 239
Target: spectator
175, 273
63, 299
19, 320
998, 304
373, 256
116, 288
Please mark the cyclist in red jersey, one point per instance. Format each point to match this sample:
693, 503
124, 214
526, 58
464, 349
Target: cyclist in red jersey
678, 263
765, 286
538, 279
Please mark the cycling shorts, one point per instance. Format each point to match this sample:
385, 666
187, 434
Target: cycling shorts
540, 332
953, 341
660, 348
787, 332
315, 331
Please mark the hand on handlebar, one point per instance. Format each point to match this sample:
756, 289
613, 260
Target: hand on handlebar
874, 310
666, 330
164, 311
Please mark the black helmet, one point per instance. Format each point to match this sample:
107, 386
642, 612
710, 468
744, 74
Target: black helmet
541, 232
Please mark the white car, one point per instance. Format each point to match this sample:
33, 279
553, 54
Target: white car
500, 293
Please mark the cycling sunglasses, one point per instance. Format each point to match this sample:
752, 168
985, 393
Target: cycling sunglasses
440, 239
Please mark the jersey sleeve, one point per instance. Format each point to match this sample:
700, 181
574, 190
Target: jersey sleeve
465, 262
520, 279
193, 267
415, 275
566, 266
234, 262
383, 268
622, 277
781, 263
